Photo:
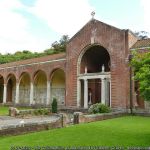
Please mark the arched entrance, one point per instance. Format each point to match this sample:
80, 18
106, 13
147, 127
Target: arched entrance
93, 77
58, 86
11, 88
1, 88
24, 89
40, 88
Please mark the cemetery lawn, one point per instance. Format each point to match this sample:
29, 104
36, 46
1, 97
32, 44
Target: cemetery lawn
125, 131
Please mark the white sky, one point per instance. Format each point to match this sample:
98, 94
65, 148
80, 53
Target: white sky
35, 24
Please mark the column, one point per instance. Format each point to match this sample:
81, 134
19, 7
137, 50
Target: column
103, 91
85, 93
5, 93
31, 93
48, 93
106, 92
110, 91
78, 92
17, 93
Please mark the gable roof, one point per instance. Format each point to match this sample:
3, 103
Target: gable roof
145, 43
91, 21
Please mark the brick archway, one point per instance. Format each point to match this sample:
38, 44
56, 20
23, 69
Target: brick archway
93, 85
11, 88
24, 88
40, 87
93, 53
58, 87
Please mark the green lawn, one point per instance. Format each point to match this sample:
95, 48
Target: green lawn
124, 131
3, 110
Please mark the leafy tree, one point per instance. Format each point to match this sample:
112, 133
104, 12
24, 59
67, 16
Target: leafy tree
141, 34
61, 45
56, 47
141, 64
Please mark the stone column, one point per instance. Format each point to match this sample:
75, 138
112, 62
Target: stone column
48, 93
103, 91
110, 91
5, 93
17, 93
78, 92
31, 93
85, 93
106, 92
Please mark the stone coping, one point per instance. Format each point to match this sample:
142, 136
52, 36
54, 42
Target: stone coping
23, 122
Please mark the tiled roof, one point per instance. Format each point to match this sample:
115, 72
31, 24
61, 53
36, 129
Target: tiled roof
141, 44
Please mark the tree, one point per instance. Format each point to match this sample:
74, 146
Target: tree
61, 45
56, 47
141, 34
141, 64
54, 105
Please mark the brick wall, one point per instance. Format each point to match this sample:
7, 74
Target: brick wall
115, 41
31, 66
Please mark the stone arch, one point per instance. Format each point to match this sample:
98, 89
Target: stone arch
40, 87
58, 87
92, 58
1, 88
24, 88
11, 88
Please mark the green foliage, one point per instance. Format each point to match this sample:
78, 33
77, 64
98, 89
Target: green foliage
142, 34
56, 47
98, 108
4, 110
54, 105
61, 45
19, 56
41, 111
141, 65
124, 132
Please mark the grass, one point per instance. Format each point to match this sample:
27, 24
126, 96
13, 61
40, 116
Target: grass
5, 109
124, 131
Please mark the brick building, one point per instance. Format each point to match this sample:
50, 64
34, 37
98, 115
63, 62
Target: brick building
95, 68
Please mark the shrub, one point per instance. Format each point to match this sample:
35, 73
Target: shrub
99, 108
54, 105
36, 112
41, 111
46, 111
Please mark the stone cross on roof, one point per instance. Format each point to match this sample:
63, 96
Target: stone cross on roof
93, 14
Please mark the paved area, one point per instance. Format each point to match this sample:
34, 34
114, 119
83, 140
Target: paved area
8, 122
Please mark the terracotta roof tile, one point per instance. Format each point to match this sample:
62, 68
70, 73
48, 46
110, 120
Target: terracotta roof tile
141, 44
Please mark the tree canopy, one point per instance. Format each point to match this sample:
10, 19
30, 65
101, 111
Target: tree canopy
55, 48
141, 64
61, 45
141, 34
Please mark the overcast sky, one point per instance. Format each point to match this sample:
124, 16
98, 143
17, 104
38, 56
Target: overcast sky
35, 24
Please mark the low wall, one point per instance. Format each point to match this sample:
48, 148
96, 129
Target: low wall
81, 118
31, 127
